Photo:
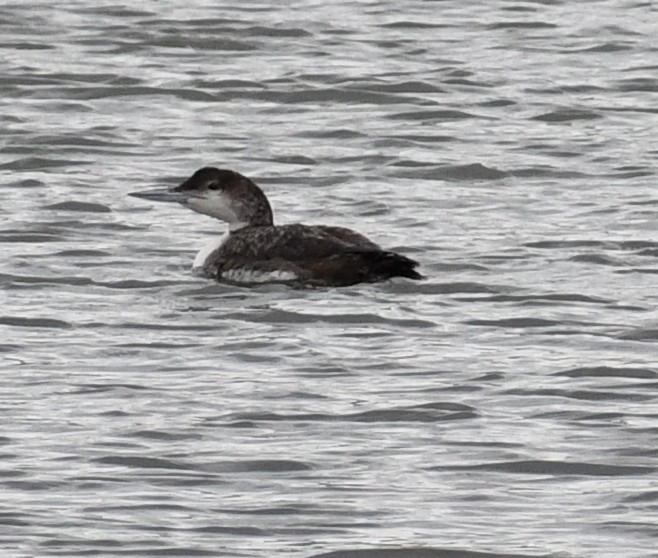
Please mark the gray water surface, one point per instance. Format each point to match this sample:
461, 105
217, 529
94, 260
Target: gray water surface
503, 407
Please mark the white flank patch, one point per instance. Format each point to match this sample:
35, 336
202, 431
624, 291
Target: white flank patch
254, 276
208, 249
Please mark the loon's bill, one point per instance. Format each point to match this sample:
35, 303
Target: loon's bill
257, 251
160, 194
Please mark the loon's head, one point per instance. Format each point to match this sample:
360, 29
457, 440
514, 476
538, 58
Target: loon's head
223, 194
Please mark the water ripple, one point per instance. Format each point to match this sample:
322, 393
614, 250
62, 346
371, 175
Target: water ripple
503, 407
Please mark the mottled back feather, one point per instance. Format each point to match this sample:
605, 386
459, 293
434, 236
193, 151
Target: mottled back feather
318, 254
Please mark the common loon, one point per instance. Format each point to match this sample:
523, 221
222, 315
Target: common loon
257, 251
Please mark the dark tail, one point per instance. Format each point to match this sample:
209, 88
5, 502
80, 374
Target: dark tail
360, 266
384, 265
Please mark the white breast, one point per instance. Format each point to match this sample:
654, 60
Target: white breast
208, 249
240, 275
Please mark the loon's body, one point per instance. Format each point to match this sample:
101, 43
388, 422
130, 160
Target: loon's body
255, 250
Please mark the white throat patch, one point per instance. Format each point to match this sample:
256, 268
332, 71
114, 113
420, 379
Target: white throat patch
208, 249
237, 226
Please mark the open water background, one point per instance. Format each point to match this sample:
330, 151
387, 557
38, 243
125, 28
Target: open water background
505, 406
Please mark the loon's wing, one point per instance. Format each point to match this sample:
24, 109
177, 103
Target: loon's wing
353, 238
314, 255
294, 243
338, 270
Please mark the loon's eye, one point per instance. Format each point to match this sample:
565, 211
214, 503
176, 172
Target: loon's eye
214, 186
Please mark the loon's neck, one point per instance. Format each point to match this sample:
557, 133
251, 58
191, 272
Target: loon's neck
208, 248
233, 227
